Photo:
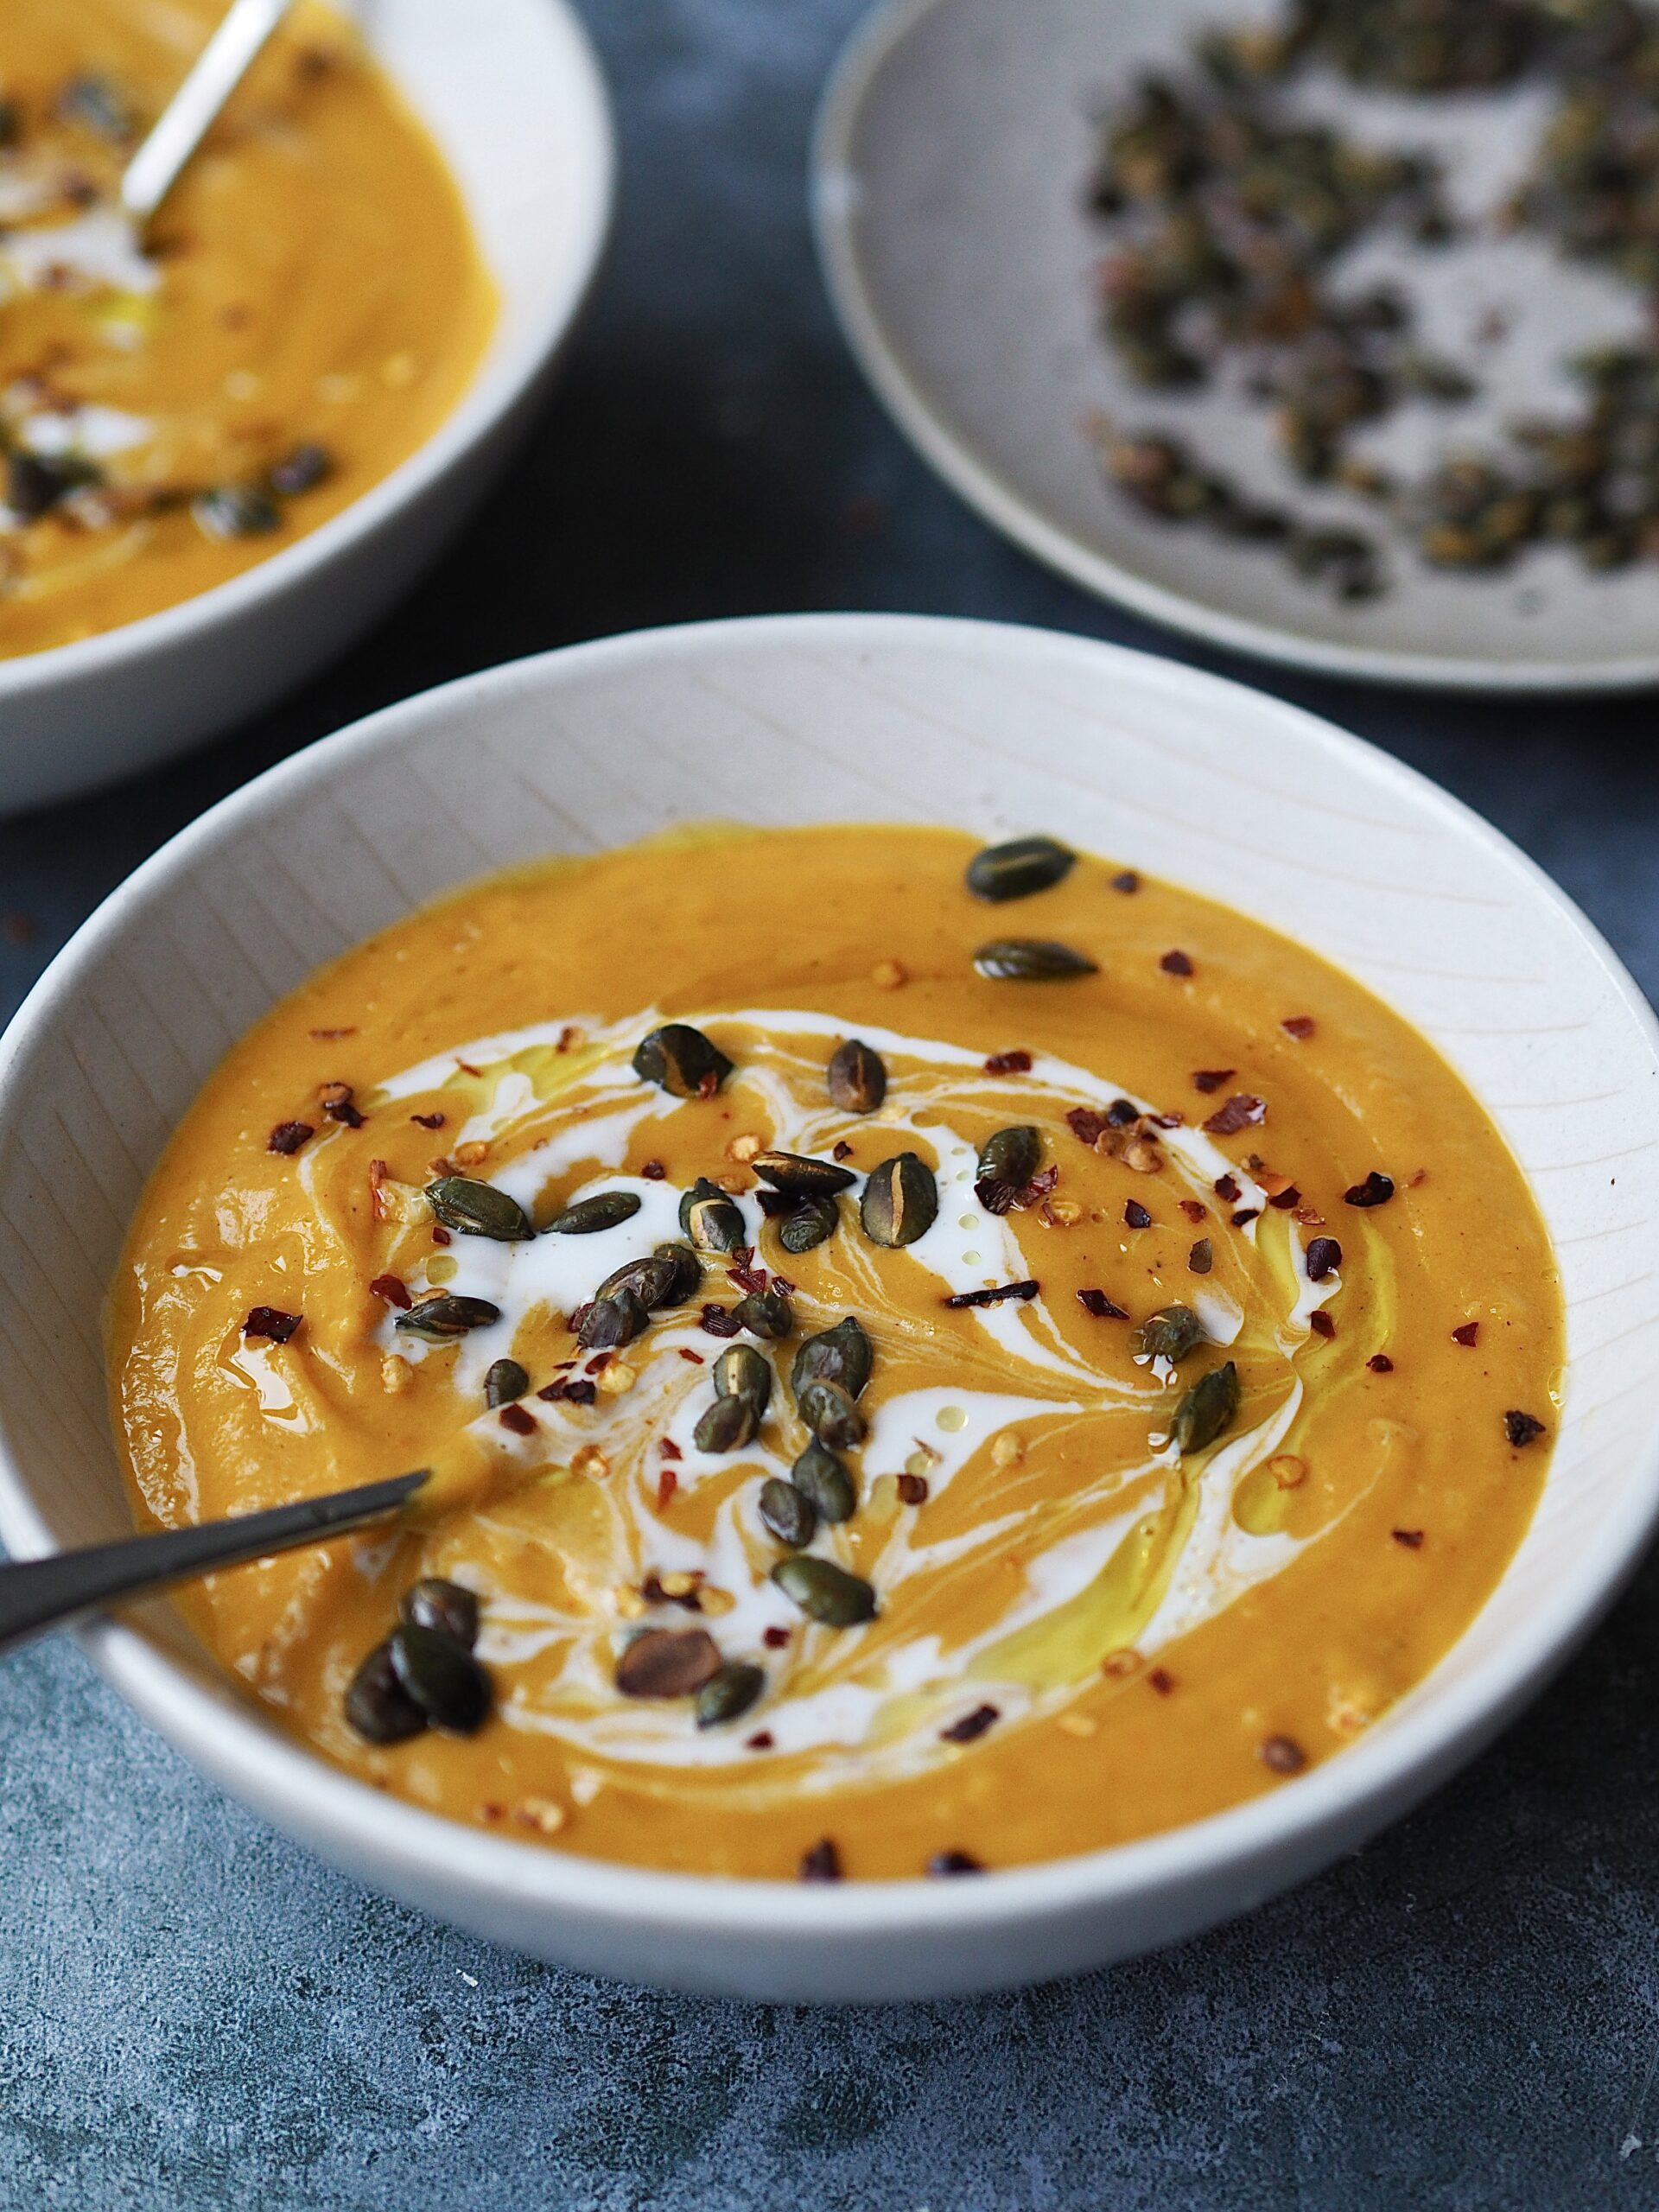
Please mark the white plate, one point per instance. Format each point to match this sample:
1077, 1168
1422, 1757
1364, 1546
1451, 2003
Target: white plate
832, 718
521, 115
951, 158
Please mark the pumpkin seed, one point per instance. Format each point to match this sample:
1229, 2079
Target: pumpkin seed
667, 1662
1012, 1156
441, 1319
301, 469
474, 1209
825, 1591
1207, 1411
378, 1706
504, 1381
812, 1220
729, 1694
791, 1517
612, 1322
229, 510
447, 1608
681, 1061
1031, 960
857, 1076
667, 1276
831, 1415
709, 1219
800, 1177
1017, 869
739, 1372
843, 1355
587, 1216
822, 1480
764, 1314
443, 1678
1170, 1333
726, 1425
901, 1201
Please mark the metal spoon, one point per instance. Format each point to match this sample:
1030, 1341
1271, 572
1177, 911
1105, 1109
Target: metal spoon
188, 115
43, 1593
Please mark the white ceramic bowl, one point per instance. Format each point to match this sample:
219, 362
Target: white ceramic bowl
832, 718
952, 153
520, 113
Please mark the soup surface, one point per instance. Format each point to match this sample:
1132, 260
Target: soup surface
1198, 1385
309, 306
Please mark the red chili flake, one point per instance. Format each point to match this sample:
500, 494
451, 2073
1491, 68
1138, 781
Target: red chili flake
783, 1286
1323, 1258
696, 1357
1411, 1538
394, 1290
600, 1362
708, 1085
653, 1170
439, 1236
717, 1320
336, 1099
775, 1638
1160, 1680
288, 1137
1468, 1334
1310, 1216
518, 1419
1209, 1079
569, 1035
821, 1863
1244, 1215
995, 1295
427, 1121
1226, 1186
1193, 1209
1283, 1754
1300, 1026
1018, 1062
270, 1321
1285, 1199
1165, 1121
571, 1392
1202, 1258
1086, 1125
669, 1448
840, 1149
667, 1482
1521, 1429
943, 1864
1322, 1324
1241, 1111
912, 1490
1379, 1363
1125, 881
1102, 1308
971, 1725
329, 1036
1039, 1187
1136, 1215
746, 1277
1176, 963
761, 1741
1376, 1190
466, 1067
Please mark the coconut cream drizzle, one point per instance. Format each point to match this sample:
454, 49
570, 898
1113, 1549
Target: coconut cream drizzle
872, 1699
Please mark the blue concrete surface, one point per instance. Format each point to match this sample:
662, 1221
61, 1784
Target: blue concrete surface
196, 2017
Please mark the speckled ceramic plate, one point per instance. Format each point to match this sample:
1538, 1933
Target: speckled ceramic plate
952, 160
836, 718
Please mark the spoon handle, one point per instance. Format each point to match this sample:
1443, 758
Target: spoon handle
188, 115
38, 1593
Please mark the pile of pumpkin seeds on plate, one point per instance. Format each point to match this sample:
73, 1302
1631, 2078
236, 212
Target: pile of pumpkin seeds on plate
1230, 216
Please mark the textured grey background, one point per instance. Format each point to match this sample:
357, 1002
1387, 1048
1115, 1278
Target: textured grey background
196, 2016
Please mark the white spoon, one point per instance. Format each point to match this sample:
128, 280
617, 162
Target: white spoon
189, 115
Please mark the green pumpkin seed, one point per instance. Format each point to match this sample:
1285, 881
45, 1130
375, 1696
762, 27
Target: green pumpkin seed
843, 1354
901, 1201
1207, 1411
789, 1516
801, 1177
610, 1323
1017, 869
1170, 1333
474, 1209
681, 1061
857, 1076
504, 1381
726, 1425
447, 1608
739, 1372
1012, 1156
729, 1694
442, 1320
443, 1678
709, 1219
378, 1706
230, 511
825, 1483
831, 1415
764, 1314
812, 1220
825, 1591
1031, 960
667, 1662
587, 1216
668, 1277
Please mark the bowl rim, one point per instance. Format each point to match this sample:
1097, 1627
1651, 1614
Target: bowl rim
499, 383
836, 200
1375, 1776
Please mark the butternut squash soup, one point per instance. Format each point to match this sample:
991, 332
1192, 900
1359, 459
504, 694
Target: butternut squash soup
307, 307
929, 1359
